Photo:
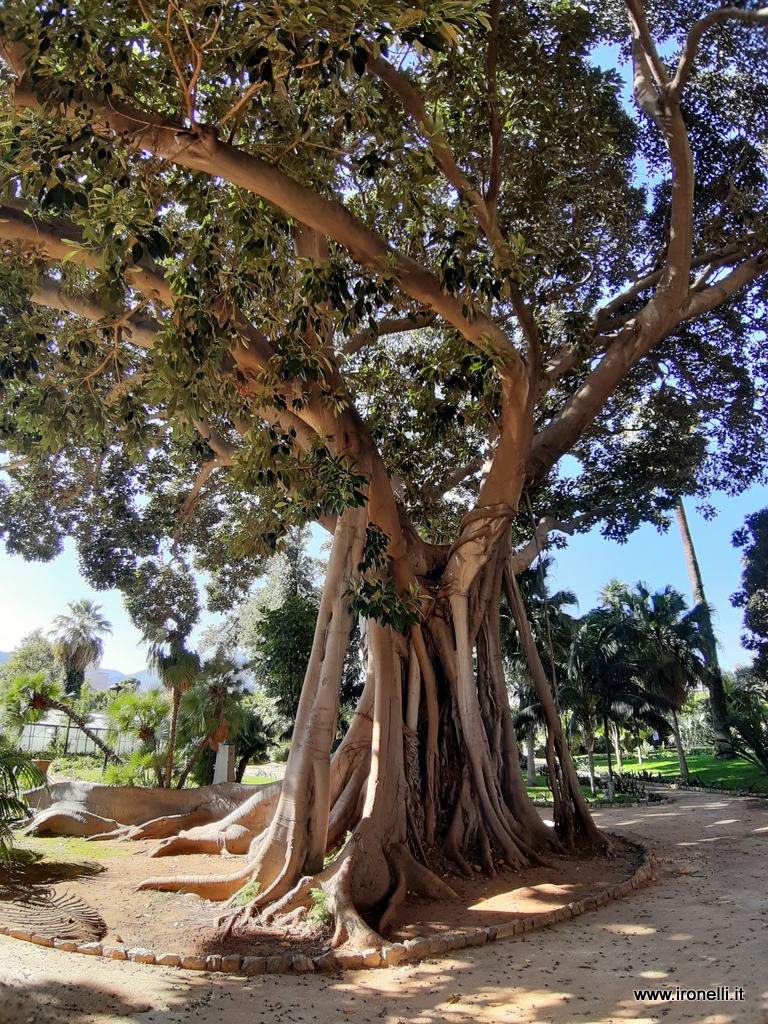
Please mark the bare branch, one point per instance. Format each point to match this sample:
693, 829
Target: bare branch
721, 256
224, 450
710, 298
642, 34
719, 17
8, 467
196, 492
396, 325
664, 109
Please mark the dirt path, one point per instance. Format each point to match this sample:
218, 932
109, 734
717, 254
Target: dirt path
703, 924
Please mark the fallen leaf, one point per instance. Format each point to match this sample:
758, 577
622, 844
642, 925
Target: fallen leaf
454, 998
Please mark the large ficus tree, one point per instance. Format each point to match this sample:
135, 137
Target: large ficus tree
379, 265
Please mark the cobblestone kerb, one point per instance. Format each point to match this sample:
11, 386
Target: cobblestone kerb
390, 955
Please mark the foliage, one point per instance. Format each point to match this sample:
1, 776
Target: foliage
687, 420
25, 701
16, 773
247, 893
753, 594
748, 716
319, 915
33, 654
276, 626
737, 774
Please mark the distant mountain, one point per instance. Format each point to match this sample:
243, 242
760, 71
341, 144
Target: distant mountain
102, 678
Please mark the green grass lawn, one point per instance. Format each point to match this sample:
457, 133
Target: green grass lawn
737, 774
258, 780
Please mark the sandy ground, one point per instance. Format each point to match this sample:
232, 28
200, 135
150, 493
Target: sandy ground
702, 924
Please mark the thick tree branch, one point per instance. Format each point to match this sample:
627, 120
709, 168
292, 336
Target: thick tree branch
142, 330
722, 255
59, 240
688, 56
431, 492
710, 298
665, 112
524, 556
200, 149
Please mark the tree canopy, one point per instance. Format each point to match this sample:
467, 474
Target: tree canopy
379, 266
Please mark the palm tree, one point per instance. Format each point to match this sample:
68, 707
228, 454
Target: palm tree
144, 716
724, 747
177, 667
672, 649
603, 664
77, 641
17, 772
211, 709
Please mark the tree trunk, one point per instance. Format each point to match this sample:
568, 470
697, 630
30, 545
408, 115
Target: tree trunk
41, 701
607, 738
429, 768
714, 680
679, 747
191, 763
589, 743
172, 736
617, 746
530, 746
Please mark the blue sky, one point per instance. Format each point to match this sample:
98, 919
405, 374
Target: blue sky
31, 594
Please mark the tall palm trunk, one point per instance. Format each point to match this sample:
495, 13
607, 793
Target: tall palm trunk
41, 701
722, 733
589, 742
679, 745
172, 736
607, 737
617, 746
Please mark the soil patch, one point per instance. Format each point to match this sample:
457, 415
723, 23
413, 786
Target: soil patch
105, 874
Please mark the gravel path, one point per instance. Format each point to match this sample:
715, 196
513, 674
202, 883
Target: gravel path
702, 924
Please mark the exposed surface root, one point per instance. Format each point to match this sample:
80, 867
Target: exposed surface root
215, 888
233, 834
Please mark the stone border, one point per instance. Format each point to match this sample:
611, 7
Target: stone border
390, 955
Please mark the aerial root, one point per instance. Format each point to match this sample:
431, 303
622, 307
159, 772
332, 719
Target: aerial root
350, 927
410, 876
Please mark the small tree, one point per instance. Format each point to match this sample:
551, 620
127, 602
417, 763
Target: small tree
752, 596
748, 715
143, 716
211, 710
27, 699
17, 772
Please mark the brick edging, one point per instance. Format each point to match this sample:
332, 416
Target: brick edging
390, 955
